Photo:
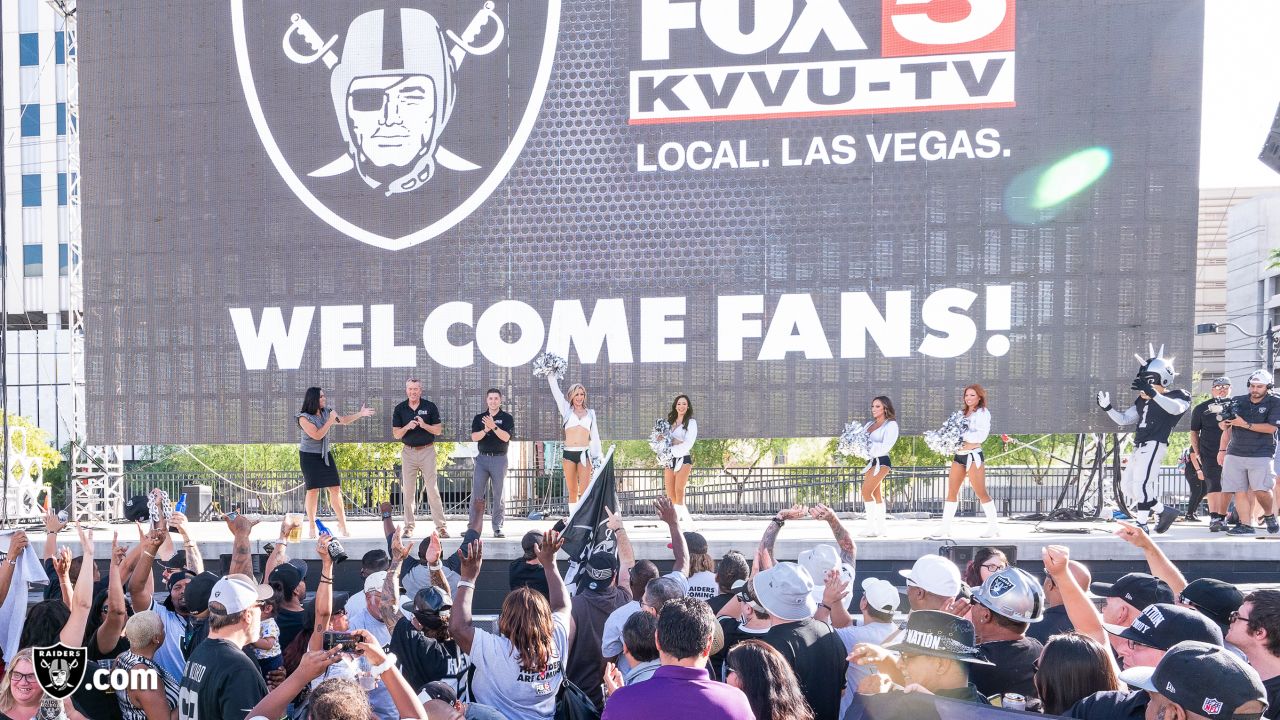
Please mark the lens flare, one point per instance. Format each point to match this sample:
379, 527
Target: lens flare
1070, 176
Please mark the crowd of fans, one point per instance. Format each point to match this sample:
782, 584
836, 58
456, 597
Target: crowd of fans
712, 638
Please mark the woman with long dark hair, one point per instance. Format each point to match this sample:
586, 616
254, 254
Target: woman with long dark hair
986, 562
968, 463
520, 668
315, 419
1073, 667
765, 676
581, 438
684, 433
883, 431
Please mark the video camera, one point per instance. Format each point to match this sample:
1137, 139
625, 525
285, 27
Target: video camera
1225, 409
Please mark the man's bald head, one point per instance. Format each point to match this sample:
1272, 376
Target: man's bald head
1083, 578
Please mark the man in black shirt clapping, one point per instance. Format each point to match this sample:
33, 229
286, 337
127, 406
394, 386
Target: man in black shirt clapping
491, 431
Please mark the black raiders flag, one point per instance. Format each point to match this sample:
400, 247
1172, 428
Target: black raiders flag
588, 530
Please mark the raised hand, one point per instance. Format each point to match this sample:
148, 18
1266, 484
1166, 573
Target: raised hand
822, 512
472, 556
313, 664
118, 551
612, 679
62, 562
86, 540
615, 520
1133, 535
241, 525
795, 512
52, 523
1056, 558
1104, 400
666, 511
399, 550
547, 549
868, 654
834, 587
365, 411
322, 548
433, 548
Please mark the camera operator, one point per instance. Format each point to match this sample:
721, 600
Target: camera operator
1206, 439
1248, 443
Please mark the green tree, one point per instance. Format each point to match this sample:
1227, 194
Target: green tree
38, 441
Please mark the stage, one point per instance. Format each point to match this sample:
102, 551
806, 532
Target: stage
1196, 551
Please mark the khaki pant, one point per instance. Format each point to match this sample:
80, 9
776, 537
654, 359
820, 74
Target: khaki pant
414, 460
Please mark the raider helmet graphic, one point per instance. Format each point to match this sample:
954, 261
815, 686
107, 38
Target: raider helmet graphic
393, 92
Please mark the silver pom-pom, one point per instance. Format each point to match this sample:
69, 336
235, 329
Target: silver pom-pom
549, 364
660, 441
855, 441
947, 439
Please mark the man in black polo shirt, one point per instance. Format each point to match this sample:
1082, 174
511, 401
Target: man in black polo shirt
491, 430
1248, 443
416, 423
1206, 438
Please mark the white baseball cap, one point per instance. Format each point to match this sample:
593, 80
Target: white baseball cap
374, 582
881, 595
934, 574
238, 593
818, 560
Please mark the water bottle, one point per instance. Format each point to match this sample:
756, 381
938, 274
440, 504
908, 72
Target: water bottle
181, 507
336, 550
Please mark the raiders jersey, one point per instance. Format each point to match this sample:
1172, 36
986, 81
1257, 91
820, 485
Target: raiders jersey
1154, 422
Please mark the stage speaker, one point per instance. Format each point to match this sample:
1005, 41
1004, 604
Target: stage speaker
199, 501
962, 555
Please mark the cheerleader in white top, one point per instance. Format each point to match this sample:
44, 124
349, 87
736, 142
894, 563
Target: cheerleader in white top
581, 438
684, 432
883, 432
968, 462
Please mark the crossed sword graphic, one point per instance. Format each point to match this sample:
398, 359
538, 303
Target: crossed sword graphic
323, 50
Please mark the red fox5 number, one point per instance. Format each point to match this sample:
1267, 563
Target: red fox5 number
942, 27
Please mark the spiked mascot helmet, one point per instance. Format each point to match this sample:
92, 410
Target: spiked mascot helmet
1156, 367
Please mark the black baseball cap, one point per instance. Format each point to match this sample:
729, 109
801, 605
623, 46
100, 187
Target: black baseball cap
598, 572
198, 591
440, 690
1202, 679
178, 577
1162, 626
940, 634
179, 560
696, 543
288, 575
1137, 589
430, 599
1214, 598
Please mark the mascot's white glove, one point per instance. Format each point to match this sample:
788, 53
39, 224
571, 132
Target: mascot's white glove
1104, 400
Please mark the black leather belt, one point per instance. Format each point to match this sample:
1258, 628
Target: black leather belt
493, 453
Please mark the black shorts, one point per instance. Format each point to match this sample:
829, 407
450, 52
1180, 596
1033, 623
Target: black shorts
573, 456
688, 461
882, 461
963, 459
1212, 474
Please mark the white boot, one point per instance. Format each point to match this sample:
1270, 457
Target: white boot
993, 519
948, 512
873, 520
882, 512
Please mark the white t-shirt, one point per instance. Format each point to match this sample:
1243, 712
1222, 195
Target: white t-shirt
501, 683
269, 630
873, 633
703, 585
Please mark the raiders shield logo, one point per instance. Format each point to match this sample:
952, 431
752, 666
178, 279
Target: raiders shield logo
395, 123
1000, 585
60, 669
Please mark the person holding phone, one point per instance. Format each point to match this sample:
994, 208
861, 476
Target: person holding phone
416, 423
319, 471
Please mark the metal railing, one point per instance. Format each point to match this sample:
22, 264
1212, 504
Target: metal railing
712, 491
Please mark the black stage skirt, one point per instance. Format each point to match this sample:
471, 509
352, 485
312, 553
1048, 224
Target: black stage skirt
316, 474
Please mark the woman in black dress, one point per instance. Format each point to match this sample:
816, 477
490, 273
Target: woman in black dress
318, 469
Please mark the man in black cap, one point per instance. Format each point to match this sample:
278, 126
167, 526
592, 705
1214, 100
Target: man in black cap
597, 597
1158, 628
197, 599
1255, 630
1129, 596
1143, 644
526, 571
1216, 599
1206, 438
289, 578
934, 652
425, 649
1197, 680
